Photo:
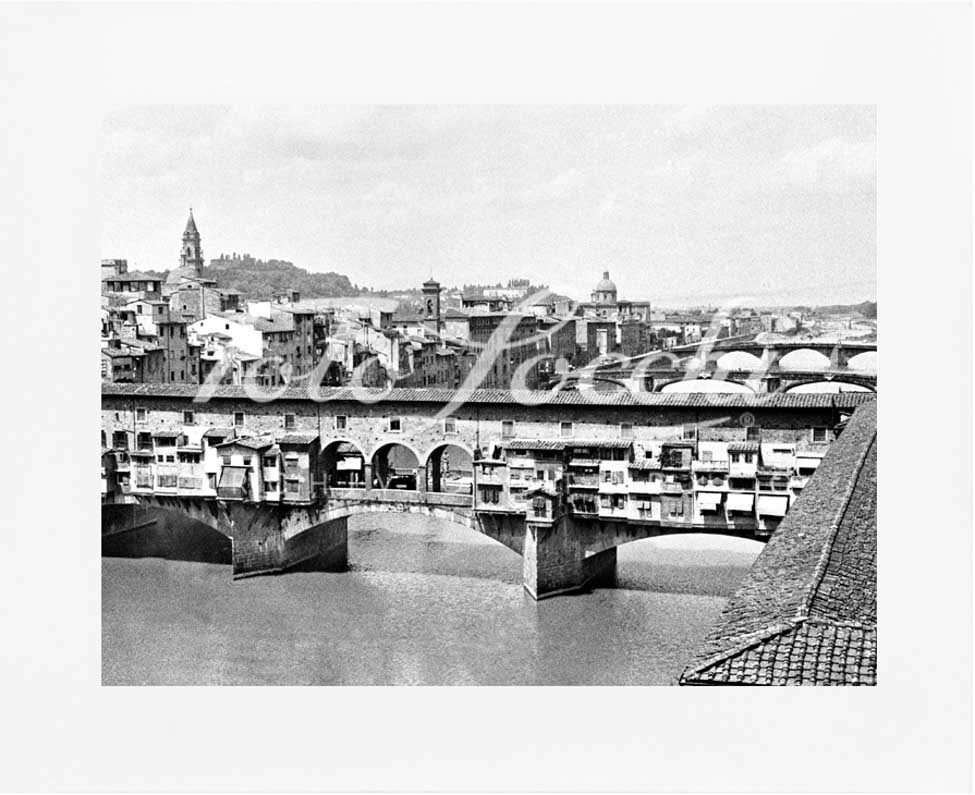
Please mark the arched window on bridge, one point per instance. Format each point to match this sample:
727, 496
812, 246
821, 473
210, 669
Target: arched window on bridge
343, 465
450, 468
396, 466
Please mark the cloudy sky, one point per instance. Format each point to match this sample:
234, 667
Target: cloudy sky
683, 205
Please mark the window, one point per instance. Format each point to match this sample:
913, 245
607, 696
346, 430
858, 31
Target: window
291, 486
707, 456
270, 461
238, 418
271, 486
689, 433
289, 421
735, 458
565, 429
507, 429
212, 480
341, 422
450, 425
120, 440
753, 433
103, 440
819, 434
226, 460
140, 415
394, 425
626, 430
145, 440
247, 460
188, 418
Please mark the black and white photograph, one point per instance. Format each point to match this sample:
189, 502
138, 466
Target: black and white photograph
506, 395
488, 396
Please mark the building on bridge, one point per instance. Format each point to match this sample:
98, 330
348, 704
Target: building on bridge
686, 460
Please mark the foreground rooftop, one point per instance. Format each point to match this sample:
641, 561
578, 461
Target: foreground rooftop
806, 613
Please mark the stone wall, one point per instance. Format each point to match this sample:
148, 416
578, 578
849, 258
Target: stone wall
367, 426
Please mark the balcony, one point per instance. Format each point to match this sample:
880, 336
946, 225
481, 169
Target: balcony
608, 487
711, 466
490, 478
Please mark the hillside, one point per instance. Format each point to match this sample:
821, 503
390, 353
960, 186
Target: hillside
260, 278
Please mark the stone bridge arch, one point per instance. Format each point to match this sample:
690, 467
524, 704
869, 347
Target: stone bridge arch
443, 470
711, 385
847, 383
804, 359
338, 464
393, 457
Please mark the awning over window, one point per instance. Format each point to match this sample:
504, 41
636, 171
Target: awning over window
740, 502
232, 481
773, 506
708, 500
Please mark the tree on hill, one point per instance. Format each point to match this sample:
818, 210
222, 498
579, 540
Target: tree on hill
261, 278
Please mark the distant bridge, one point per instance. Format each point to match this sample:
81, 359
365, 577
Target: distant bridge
741, 365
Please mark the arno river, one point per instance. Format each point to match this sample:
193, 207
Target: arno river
424, 602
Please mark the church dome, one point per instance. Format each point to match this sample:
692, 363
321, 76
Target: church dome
605, 285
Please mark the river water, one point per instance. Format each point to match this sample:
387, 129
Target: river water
424, 602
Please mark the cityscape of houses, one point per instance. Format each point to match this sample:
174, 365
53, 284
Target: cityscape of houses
186, 330
178, 329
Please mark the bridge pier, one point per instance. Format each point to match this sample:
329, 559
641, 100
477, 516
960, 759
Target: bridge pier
265, 549
555, 560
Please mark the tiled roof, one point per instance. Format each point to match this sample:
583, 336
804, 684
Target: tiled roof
132, 276
622, 399
807, 610
534, 444
222, 433
743, 447
251, 442
611, 444
298, 437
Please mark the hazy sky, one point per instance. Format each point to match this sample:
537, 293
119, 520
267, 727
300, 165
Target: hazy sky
683, 205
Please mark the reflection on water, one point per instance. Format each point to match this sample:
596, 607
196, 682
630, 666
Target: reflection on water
425, 602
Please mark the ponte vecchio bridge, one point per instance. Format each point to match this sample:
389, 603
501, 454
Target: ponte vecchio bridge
561, 478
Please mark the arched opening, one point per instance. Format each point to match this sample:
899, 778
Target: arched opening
429, 545
711, 385
131, 531
865, 362
450, 469
343, 465
828, 387
740, 360
396, 466
804, 359
699, 564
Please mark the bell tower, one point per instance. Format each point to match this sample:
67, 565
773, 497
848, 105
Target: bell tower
191, 255
431, 305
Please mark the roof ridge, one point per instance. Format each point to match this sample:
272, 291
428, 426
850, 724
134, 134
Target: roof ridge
754, 640
821, 564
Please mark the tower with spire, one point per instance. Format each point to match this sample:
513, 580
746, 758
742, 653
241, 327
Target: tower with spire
191, 255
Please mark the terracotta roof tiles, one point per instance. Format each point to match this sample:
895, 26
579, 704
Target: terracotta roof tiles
807, 610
